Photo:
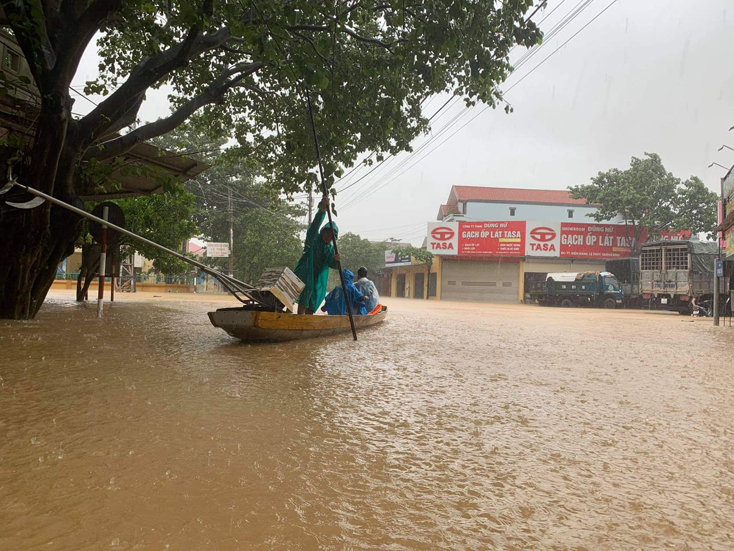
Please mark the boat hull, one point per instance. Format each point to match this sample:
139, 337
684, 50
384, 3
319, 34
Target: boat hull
260, 326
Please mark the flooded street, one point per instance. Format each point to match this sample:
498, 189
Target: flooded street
451, 426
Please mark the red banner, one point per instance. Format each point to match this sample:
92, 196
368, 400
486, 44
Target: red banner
492, 238
534, 239
595, 240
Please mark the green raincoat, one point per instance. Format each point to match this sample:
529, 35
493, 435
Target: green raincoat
317, 258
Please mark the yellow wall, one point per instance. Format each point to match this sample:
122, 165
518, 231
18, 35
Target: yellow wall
140, 287
410, 272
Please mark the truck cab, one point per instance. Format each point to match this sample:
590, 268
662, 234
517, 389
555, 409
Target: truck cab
579, 289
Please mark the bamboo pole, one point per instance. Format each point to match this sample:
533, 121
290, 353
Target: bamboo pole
328, 212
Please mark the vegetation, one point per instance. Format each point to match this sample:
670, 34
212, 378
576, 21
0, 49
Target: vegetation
355, 252
651, 199
246, 65
421, 255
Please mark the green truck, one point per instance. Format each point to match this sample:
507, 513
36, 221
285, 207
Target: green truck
568, 289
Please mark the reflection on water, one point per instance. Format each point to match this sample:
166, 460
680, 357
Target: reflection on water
450, 427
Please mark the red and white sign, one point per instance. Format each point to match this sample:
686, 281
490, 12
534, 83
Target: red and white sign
477, 238
520, 238
595, 240
544, 239
443, 237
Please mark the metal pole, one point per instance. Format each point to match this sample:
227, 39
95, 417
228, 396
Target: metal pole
231, 236
310, 206
102, 263
328, 212
123, 231
716, 291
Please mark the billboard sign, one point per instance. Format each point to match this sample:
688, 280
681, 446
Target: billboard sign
520, 238
393, 260
595, 240
217, 250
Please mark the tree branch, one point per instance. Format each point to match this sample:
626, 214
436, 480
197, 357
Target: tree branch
340, 28
213, 94
73, 41
147, 73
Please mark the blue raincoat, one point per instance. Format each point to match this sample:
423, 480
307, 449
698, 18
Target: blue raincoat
335, 304
313, 267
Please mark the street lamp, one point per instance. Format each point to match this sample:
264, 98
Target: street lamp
725, 146
717, 164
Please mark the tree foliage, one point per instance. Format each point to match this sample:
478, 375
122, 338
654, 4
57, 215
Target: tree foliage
166, 219
356, 251
648, 197
246, 66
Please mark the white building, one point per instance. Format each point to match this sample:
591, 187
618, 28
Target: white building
468, 203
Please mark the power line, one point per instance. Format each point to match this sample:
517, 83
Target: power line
368, 194
82, 95
434, 136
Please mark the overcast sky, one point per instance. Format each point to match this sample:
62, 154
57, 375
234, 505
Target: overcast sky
646, 75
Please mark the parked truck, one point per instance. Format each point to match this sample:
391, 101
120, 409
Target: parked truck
578, 289
674, 273
627, 272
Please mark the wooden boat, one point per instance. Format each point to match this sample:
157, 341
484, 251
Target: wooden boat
260, 325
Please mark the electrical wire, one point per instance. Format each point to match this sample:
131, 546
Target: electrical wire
374, 190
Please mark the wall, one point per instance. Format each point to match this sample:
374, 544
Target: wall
486, 280
410, 272
535, 213
69, 284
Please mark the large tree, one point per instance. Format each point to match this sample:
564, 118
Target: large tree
247, 65
650, 200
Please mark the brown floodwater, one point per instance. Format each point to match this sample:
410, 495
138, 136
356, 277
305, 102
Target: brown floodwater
452, 426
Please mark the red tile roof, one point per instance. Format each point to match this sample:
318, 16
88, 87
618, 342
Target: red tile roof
515, 195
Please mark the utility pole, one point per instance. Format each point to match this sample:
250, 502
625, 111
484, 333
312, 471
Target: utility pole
231, 235
310, 205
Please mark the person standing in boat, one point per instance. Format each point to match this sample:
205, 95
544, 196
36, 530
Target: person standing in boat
318, 256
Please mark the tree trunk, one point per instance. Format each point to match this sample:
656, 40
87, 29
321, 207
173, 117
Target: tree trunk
30, 252
35, 241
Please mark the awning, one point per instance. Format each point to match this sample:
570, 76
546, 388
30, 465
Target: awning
125, 183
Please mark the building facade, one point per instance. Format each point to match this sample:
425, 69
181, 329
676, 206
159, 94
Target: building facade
490, 244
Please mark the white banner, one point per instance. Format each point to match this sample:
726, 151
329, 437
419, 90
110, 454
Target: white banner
543, 239
217, 250
443, 237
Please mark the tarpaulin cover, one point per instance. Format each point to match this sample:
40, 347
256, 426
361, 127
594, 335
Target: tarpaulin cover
703, 253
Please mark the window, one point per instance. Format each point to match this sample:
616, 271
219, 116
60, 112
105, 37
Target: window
570, 213
12, 61
512, 211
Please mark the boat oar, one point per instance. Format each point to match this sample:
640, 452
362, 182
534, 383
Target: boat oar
328, 212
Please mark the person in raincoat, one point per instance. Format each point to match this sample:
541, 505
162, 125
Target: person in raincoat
367, 288
335, 304
318, 256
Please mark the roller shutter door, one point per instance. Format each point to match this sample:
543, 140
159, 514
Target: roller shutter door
480, 281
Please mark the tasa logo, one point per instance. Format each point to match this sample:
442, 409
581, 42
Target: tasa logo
442, 234
543, 235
